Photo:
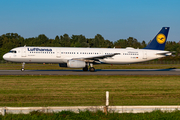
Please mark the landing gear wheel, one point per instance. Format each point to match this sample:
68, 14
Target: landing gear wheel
22, 69
85, 69
91, 69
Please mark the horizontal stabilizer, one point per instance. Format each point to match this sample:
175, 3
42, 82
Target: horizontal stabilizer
166, 53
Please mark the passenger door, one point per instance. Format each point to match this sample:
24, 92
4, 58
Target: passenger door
23, 52
58, 53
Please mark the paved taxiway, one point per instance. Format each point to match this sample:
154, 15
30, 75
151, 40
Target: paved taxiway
97, 72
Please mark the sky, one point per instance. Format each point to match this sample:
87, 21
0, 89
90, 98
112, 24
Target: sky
113, 19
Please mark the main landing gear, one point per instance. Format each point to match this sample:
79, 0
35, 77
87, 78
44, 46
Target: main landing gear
91, 69
85, 68
23, 64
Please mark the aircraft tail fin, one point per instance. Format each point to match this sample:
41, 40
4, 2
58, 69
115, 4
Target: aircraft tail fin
159, 41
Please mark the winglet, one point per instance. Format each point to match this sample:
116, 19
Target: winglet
159, 41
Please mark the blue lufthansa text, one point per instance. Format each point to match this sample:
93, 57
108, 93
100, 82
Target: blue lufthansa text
38, 49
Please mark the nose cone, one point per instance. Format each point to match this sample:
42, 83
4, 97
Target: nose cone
5, 56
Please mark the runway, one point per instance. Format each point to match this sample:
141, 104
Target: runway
97, 72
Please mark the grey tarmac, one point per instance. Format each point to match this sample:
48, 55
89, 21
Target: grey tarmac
97, 72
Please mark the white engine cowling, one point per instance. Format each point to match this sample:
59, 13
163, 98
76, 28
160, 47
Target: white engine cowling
76, 64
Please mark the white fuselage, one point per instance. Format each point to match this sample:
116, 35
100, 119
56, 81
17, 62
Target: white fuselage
63, 54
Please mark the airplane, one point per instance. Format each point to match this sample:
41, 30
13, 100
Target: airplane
73, 57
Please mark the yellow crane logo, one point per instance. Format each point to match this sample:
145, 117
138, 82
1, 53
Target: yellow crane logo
161, 38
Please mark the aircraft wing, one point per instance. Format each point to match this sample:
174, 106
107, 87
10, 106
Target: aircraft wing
95, 58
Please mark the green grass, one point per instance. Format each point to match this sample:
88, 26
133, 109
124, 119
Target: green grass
88, 90
87, 115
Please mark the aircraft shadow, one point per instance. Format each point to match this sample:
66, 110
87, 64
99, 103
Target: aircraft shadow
111, 70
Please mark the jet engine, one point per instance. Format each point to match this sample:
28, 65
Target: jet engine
76, 64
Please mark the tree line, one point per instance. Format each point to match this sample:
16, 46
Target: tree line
12, 40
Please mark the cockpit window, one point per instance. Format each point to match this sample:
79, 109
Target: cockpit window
12, 51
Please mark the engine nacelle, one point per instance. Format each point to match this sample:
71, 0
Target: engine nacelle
76, 64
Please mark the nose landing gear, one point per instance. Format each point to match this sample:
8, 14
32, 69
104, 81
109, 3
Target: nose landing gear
22, 69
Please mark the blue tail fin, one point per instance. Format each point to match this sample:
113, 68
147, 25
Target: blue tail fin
159, 41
